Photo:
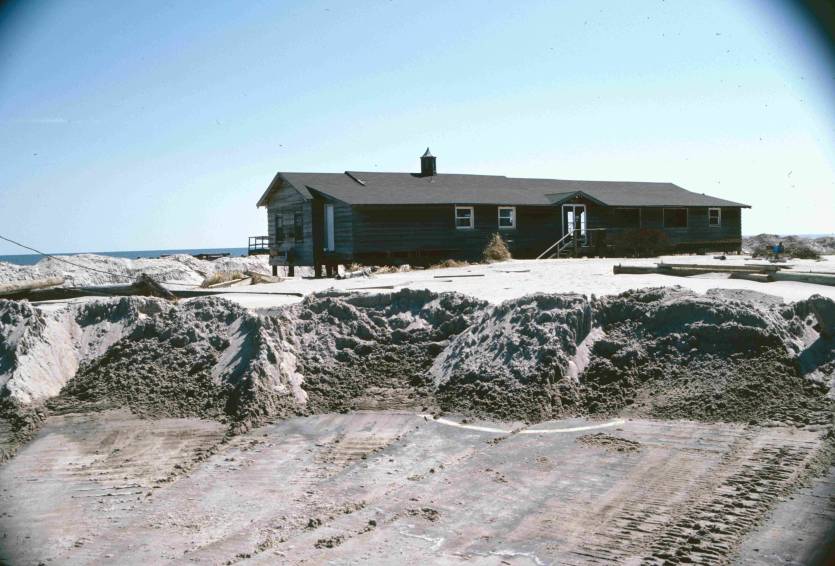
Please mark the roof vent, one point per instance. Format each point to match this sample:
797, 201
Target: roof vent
427, 164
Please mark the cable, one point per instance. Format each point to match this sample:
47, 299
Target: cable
61, 259
120, 275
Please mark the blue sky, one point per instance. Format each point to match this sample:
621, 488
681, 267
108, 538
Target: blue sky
159, 124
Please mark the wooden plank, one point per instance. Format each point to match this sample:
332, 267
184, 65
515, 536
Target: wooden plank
816, 278
226, 283
144, 286
720, 268
758, 277
189, 293
633, 269
769, 266
471, 275
30, 284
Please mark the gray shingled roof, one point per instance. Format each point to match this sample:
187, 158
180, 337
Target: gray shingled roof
409, 188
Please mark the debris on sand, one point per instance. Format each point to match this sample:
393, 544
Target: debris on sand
427, 513
330, 542
609, 442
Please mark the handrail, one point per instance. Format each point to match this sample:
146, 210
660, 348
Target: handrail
566, 236
555, 244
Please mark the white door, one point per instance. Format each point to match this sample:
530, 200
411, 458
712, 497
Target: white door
330, 237
574, 216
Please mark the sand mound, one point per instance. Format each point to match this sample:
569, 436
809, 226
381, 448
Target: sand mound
674, 354
513, 361
824, 245
40, 352
361, 351
666, 353
208, 358
91, 269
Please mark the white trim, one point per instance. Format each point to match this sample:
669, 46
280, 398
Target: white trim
330, 239
472, 217
512, 210
583, 224
717, 209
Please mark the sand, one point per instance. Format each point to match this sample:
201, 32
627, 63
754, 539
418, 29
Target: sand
205, 430
91, 269
499, 282
668, 353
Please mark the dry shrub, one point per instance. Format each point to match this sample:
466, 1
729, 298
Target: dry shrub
391, 268
221, 277
798, 250
381, 269
496, 249
449, 263
802, 251
643, 242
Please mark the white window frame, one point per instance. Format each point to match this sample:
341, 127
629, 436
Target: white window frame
718, 218
472, 217
330, 229
512, 210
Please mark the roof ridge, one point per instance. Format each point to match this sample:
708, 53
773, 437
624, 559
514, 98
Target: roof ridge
355, 178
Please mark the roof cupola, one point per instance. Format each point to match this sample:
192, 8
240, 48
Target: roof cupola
427, 164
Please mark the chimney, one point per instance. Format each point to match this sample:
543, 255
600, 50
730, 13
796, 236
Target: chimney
427, 164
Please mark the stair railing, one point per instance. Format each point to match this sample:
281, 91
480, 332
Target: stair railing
555, 244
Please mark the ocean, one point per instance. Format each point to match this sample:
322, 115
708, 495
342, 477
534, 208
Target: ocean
31, 259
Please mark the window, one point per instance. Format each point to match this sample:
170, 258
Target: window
627, 217
507, 217
651, 218
279, 229
714, 216
675, 218
464, 217
298, 227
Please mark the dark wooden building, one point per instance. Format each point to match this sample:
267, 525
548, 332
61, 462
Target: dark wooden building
324, 219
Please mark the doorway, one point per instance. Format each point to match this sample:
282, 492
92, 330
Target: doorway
330, 236
574, 217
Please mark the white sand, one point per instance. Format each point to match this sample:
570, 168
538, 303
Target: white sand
509, 280
91, 269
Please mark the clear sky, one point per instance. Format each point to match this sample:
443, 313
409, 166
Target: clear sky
145, 125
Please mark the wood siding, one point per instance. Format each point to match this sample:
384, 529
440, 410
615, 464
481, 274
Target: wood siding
429, 230
406, 231
343, 219
697, 235
423, 233
286, 202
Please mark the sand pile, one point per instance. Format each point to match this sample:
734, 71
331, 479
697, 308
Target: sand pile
40, 351
366, 351
514, 360
762, 243
674, 354
94, 269
659, 352
208, 357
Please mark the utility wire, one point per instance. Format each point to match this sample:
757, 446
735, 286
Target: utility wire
80, 265
62, 259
